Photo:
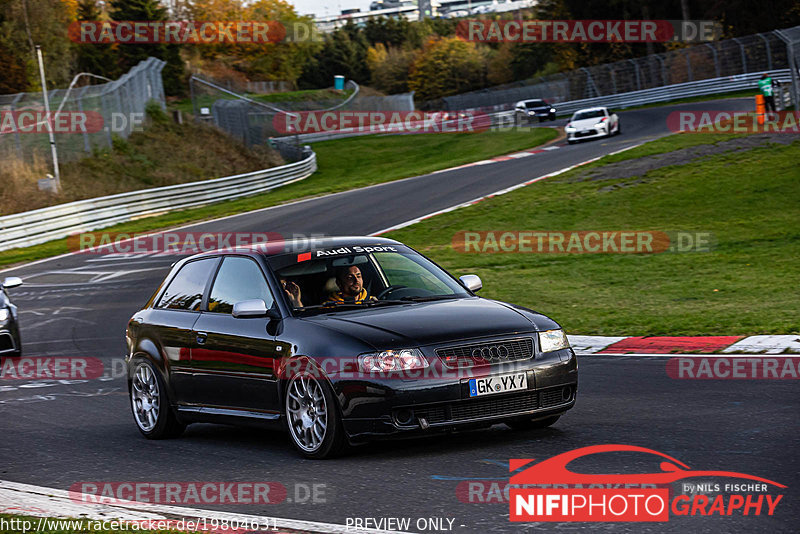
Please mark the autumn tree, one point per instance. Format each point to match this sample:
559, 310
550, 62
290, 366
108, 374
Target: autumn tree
446, 66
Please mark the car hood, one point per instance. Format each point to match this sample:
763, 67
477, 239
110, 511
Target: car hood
429, 323
585, 124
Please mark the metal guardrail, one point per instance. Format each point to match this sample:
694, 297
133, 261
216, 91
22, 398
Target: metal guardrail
502, 116
56, 222
726, 84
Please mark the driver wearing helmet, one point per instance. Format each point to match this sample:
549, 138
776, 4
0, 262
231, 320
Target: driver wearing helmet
351, 286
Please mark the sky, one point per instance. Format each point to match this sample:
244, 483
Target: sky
323, 8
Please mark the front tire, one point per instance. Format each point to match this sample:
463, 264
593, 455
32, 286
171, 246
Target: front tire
530, 424
315, 426
150, 404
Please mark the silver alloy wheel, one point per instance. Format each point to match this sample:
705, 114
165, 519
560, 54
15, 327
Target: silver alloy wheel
145, 397
306, 412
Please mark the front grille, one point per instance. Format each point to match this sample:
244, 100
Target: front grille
487, 353
433, 414
467, 409
552, 397
582, 134
488, 407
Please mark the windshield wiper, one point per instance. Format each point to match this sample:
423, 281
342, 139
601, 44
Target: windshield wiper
428, 298
334, 305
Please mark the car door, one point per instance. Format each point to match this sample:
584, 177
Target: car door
170, 323
234, 360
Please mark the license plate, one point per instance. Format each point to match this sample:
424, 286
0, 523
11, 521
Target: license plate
585, 131
490, 385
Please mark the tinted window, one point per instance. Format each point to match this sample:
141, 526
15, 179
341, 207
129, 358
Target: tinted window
185, 292
535, 103
590, 114
238, 279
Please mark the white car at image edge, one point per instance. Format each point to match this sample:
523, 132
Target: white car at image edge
591, 123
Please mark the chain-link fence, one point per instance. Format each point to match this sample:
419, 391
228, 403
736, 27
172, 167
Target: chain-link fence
88, 117
791, 37
254, 121
753, 53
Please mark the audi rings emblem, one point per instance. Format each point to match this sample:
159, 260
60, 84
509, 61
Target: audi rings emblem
492, 353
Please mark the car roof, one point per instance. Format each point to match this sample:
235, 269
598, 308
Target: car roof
596, 108
300, 245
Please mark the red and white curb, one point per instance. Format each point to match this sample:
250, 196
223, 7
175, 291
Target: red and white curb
37, 501
667, 345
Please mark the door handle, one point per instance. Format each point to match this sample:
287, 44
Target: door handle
201, 337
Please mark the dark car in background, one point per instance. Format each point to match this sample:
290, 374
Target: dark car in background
267, 335
527, 110
10, 343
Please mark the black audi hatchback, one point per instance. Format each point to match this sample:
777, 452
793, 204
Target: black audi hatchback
340, 341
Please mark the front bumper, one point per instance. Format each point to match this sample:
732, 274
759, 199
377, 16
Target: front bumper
579, 135
375, 409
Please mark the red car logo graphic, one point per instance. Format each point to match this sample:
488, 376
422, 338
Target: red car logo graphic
554, 470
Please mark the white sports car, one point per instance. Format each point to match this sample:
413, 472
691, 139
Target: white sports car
590, 123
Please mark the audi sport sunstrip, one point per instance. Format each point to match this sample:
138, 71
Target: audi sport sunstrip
340, 341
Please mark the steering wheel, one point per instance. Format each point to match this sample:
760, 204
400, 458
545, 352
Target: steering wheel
388, 290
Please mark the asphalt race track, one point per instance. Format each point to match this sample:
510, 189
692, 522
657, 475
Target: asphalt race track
55, 433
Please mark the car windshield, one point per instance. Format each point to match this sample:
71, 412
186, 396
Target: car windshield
589, 114
535, 103
347, 277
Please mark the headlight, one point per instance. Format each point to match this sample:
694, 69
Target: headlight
570, 128
4, 315
392, 360
600, 125
553, 340
552, 110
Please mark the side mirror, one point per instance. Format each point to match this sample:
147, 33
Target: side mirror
12, 281
471, 282
250, 308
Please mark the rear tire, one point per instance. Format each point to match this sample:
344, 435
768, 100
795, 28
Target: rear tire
312, 415
150, 404
530, 424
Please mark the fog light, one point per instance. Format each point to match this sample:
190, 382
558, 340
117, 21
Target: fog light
566, 393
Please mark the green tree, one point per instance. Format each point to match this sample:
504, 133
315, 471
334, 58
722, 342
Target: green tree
129, 55
344, 52
94, 58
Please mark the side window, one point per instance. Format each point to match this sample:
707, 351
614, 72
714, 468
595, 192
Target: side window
238, 279
185, 291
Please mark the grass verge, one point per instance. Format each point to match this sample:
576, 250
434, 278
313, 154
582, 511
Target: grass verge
343, 164
745, 285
